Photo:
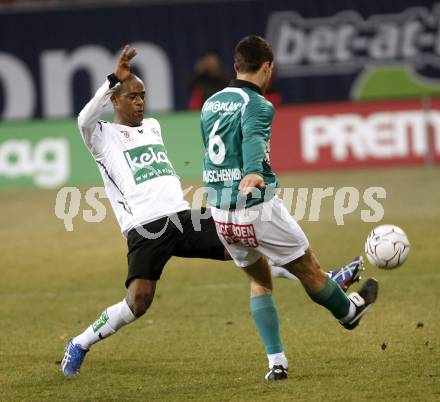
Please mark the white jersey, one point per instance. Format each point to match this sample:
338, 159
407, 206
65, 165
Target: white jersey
139, 179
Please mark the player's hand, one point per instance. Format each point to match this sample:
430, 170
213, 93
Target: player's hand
249, 182
122, 70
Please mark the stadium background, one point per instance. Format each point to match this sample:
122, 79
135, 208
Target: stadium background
359, 83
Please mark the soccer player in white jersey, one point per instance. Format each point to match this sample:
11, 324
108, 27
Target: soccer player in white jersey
148, 202
147, 199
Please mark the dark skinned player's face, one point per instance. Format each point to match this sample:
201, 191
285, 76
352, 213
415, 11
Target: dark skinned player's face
129, 104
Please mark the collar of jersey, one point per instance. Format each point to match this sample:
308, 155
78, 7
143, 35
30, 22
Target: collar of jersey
242, 83
129, 127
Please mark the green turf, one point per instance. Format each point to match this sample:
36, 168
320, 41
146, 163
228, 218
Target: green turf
198, 341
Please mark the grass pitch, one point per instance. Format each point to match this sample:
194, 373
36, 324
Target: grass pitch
198, 341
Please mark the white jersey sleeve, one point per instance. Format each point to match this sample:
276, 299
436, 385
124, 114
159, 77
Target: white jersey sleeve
88, 119
139, 179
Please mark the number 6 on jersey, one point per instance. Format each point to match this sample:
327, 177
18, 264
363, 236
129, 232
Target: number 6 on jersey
219, 156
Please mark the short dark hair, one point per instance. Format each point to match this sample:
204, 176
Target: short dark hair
250, 53
120, 88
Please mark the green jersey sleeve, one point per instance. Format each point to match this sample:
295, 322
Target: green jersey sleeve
256, 125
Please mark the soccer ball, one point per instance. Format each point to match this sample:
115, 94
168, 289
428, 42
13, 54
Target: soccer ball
387, 247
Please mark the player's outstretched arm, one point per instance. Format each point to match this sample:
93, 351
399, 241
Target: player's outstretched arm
122, 70
91, 113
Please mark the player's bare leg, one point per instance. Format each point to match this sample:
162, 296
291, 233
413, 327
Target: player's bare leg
266, 317
260, 278
326, 292
344, 276
139, 298
140, 295
308, 270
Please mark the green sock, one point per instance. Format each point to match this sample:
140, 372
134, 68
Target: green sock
332, 297
265, 316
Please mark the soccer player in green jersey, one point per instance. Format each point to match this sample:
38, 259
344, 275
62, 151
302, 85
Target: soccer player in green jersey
250, 219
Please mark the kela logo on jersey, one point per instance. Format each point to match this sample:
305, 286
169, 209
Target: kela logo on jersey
148, 162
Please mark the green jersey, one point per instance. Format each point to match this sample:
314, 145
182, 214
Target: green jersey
236, 124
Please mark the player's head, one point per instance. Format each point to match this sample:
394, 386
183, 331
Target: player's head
253, 57
128, 101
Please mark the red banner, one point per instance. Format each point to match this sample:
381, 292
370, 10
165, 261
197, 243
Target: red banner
343, 135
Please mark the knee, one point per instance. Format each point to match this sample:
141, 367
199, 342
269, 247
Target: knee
315, 265
306, 267
313, 270
140, 302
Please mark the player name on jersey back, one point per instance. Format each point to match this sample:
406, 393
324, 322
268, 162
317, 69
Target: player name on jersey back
222, 175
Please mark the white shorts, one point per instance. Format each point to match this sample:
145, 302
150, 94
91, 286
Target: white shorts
264, 229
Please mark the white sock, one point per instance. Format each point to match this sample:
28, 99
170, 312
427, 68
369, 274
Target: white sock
107, 324
351, 313
278, 358
280, 272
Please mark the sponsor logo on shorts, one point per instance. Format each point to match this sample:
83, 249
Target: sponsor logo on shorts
97, 325
234, 233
